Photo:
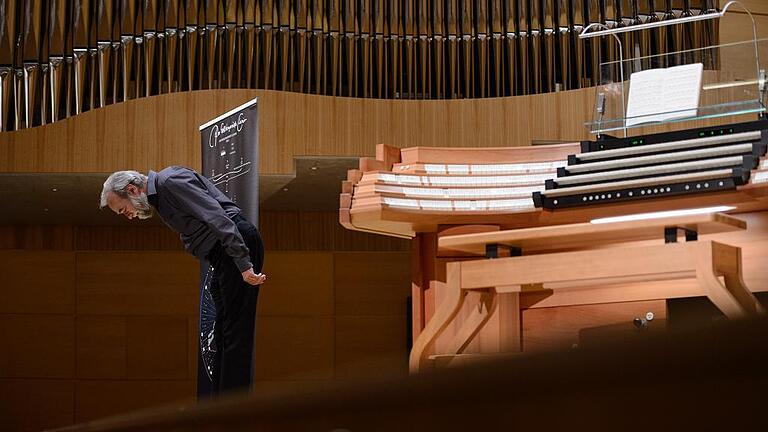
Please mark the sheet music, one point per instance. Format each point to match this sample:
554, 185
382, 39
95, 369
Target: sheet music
664, 94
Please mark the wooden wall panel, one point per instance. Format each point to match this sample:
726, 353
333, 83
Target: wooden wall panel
293, 230
150, 133
52, 237
370, 346
281, 230
36, 404
158, 348
37, 346
737, 27
96, 399
37, 282
754, 6
319, 231
294, 348
101, 347
137, 283
150, 347
147, 133
374, 283
302, 281
127, 238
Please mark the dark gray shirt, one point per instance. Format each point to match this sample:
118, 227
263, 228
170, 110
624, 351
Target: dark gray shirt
191, 205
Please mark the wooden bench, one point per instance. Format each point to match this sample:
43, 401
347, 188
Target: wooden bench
552, 275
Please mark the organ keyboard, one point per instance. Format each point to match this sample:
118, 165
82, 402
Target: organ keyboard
676, 163
403, 192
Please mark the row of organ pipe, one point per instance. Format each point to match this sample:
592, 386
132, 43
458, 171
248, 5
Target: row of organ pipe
59, 58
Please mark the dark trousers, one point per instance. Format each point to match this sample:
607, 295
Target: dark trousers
235, 311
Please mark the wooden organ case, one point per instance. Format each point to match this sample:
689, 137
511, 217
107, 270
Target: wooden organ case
507, 255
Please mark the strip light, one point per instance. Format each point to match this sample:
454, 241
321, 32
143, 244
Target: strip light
663, 214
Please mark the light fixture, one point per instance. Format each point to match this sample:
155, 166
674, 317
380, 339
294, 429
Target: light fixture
54, 189
662, 214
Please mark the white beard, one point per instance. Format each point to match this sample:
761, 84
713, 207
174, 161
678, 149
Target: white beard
142, 206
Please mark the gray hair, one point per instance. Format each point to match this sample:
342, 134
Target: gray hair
118, 182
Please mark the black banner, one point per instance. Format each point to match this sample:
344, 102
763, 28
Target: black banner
230, 152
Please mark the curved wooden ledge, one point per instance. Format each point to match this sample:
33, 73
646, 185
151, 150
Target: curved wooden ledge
161, 130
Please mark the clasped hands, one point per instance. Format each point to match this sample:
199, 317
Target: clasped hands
254, 278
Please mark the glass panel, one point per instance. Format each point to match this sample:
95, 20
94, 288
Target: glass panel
729, 86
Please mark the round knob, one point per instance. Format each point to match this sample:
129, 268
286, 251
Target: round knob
649, 316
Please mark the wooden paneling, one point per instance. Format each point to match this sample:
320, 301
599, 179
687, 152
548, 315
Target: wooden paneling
98, 399
292, 230
558, 328
738, 28
371, 283
133, 347
754, 6
55, 237
126, 238
37, 346
294, 348
280, 230
101, 347
150, 133
136, 283
319, 231
441, 155
371, 346
37, 282
299, 284
157, 348
36, 404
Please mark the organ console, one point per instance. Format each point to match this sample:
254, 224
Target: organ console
533, 205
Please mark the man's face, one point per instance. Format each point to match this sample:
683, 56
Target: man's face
135, 205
